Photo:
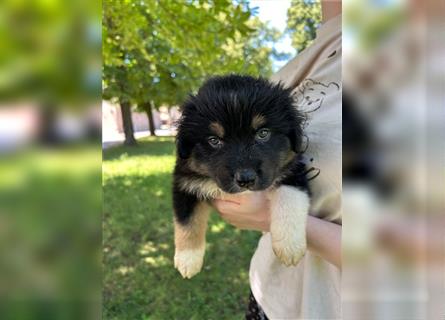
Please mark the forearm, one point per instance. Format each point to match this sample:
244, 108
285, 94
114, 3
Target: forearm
324, 239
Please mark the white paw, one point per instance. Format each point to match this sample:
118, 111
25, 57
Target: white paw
189, 262
289, 250
290, 207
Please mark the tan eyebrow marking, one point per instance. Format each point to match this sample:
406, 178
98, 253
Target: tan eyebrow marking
217, 129
257, 121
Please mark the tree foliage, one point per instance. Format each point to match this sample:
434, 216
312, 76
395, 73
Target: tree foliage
303, 19
50, 51
158, 51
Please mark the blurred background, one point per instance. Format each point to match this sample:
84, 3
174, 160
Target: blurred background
50, 159
393, 160
60, 61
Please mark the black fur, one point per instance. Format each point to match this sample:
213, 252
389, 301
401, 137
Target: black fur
232, 102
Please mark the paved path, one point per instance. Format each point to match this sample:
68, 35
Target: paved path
119, 138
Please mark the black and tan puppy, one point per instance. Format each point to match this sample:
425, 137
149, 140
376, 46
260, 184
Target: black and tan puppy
239, 134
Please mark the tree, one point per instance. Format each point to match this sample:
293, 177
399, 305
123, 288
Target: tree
127, 123
148, 107
303, 19
168, 48
118, 89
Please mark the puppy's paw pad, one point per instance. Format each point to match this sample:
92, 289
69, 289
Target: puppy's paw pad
189, 262
289, 252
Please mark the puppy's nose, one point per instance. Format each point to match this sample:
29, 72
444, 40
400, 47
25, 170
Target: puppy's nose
245, 178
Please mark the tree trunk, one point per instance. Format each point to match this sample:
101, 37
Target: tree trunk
151, 123
47, 134
127, 124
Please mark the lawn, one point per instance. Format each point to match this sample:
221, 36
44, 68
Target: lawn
140, 281
50, 235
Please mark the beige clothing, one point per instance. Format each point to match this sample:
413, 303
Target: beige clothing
310, 290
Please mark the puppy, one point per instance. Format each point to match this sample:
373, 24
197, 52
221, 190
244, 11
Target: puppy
239, 134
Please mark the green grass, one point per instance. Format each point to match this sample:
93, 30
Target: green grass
140, 281
50, 236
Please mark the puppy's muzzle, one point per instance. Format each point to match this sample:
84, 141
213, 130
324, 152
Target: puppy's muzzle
245, 178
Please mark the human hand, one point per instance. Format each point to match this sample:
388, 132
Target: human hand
249, 211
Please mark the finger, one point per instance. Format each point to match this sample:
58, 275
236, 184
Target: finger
224, 206
232, 200
236, 198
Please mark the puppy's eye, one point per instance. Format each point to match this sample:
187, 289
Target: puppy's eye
214, 141
262, 134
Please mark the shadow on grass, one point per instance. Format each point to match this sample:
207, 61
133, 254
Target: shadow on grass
153, 146
140, 281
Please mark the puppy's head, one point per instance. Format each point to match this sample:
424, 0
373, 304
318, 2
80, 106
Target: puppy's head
240, 131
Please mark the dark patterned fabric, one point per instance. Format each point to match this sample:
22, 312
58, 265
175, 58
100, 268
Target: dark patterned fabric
254, 311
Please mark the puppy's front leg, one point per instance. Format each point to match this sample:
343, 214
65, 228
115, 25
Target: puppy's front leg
190, 220
290, 207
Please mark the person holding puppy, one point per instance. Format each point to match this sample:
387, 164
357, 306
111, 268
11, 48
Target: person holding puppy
310, 290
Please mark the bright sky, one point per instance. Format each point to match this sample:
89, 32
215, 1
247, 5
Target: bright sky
275, 11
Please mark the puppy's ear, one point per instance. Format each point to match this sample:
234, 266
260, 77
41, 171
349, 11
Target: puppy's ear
184, 147
295, 137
